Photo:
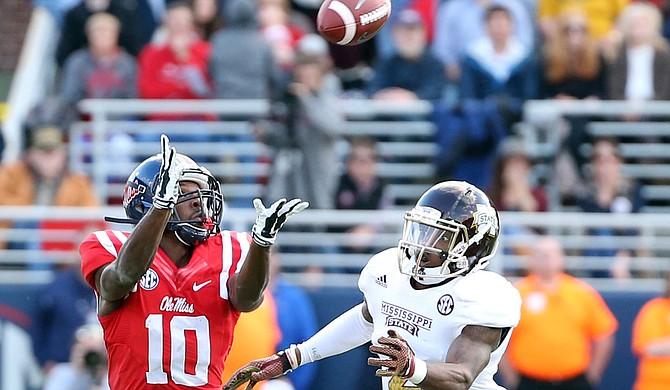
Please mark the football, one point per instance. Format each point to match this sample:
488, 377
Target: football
352, 22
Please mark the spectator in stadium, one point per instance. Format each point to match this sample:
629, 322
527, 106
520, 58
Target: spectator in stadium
499, 67
513, 188
435, 261
304, 135
651, 342
64, 305
103, 69
177, 68
257, 334
207, 18
412, 72
664, 8
638, 72
360, 188
573, 67
601, 14
610, 191
73, 30
86, 367
460, 23
314, 45
280, 32
566, 334
149, 281
42, 176
241, 63
296, 318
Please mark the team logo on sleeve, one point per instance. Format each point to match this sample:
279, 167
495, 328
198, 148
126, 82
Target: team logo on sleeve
445, 305
149, 280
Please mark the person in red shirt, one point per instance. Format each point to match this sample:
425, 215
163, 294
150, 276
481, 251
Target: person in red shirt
176, 66
170, 293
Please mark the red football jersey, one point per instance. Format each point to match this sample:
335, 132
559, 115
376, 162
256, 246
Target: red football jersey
175, 329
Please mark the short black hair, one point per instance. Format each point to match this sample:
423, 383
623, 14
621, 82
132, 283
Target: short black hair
494, 9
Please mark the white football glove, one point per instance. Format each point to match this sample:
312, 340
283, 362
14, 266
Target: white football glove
167, 189
270, 220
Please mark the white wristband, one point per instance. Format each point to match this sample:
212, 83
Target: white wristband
420, 371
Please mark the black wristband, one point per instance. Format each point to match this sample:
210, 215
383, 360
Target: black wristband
285, 364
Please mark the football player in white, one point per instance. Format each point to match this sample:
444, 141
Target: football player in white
436, 318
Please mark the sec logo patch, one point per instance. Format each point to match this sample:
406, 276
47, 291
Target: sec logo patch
149, 280
445, 305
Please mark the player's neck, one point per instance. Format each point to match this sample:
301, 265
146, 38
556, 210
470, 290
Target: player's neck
178, 253
419, 286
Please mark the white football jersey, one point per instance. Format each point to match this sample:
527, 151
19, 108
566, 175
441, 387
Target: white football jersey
432, 318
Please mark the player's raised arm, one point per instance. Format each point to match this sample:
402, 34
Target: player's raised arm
467, 357
246, 287
116, 280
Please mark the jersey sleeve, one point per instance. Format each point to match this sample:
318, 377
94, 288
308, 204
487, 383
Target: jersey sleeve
99, 249
489, 300
233, 248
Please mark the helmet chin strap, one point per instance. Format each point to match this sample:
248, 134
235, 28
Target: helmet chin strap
176, 234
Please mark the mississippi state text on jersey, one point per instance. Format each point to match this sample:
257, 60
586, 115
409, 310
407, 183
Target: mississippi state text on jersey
175, 329
432, 318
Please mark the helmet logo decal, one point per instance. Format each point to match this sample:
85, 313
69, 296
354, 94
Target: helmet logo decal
445, 305
131, 190
485, 217
149, 280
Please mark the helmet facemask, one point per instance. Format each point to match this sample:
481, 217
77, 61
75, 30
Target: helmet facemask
198, 228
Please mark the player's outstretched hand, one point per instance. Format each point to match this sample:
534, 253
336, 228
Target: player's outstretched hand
263, 369
270, 220
167, 190
397, 357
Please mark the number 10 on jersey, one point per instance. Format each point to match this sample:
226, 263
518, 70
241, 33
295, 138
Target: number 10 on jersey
178, 327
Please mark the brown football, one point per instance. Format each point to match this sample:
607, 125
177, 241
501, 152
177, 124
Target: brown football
351, 22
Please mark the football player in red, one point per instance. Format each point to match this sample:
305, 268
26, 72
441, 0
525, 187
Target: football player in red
170, 293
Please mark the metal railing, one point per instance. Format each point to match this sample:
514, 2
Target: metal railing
226, 145
318, 239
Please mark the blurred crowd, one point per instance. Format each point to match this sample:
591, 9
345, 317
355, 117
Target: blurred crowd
477, 62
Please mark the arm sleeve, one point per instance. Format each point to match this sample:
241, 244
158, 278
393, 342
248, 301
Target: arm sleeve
344, 333
603, 323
